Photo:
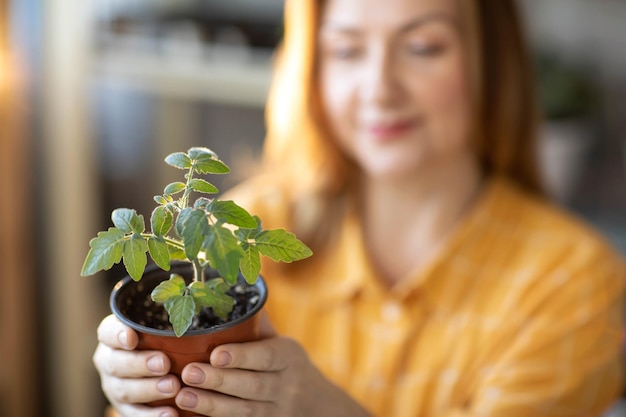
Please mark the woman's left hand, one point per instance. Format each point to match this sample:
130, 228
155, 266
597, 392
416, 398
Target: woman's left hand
271, 377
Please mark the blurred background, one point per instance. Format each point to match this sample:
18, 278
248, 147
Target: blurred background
93, 95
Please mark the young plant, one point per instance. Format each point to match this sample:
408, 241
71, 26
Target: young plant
206, 232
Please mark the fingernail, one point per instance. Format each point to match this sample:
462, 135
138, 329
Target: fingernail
222, 359
166, 414
165, 386
155, 364
194, 375
122, 337
188, 399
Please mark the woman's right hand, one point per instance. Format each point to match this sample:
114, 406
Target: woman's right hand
131, 378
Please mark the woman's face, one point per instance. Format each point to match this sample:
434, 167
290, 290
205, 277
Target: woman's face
393, 83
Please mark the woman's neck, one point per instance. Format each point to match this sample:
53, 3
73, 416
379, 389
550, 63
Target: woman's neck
407, 222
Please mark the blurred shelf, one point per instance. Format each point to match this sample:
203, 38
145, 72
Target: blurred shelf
239, 78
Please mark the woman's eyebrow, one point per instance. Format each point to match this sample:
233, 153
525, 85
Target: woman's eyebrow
429, 18
348, 29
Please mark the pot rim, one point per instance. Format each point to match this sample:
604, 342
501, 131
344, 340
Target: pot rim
127, 280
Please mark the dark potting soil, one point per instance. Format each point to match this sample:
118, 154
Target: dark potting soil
140, 308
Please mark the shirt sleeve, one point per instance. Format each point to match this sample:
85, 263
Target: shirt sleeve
566, 360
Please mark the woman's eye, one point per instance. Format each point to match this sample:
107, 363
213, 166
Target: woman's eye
344, 53
425, 50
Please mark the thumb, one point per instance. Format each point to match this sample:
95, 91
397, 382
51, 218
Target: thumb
266, 329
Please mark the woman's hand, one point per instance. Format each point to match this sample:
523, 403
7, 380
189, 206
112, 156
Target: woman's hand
272, 377
130, 378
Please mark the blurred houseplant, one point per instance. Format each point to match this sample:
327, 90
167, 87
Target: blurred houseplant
569, 100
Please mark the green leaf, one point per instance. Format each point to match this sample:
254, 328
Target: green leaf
106, 250
128, 221
205, 161
206, 165
231, 213
135, 259
281, 245
213, 295
180, 220
181, 310
193, 231
159, 252
250, 264
161, 220
167, 290
173, 188
160, 199
223, 251
245, 234
176, 254
179, 160
202, 202
200, 151
202, 186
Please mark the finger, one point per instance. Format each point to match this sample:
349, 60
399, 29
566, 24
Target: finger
260, 386
268, 355
218, 405
130, 364
113, 333
133, 410
139, 390
266, 329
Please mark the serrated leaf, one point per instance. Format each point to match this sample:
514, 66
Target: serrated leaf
193, 231
281, 245
202, 186
135, 259
245, 234
202, 202
231, 213
176, 254
223, 251
128, 221
106, 250
169, 289
250, 264
161, 220
179, 160
181, 310
173, 188
208, 165
160, 199
200, 151
180, 220
214, 296
159, 252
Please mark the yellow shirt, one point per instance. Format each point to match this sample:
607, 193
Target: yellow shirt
520, 315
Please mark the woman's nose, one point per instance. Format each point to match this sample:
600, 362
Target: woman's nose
380, 82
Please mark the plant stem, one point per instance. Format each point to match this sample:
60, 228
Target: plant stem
185, 198
198, 271
168, 240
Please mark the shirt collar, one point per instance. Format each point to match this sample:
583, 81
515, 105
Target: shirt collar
351, 271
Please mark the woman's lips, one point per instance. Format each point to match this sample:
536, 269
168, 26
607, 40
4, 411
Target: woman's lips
387, 131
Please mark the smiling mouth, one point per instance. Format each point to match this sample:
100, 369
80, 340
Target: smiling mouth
387, 131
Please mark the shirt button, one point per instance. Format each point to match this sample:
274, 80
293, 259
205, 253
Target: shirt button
391, 312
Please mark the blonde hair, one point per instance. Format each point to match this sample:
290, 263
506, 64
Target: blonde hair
298, 150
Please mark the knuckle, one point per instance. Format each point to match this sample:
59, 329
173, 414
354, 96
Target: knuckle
257, 386
268, 360
217, 380
114, 390
248, 409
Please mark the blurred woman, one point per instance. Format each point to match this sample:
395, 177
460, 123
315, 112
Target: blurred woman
400, 147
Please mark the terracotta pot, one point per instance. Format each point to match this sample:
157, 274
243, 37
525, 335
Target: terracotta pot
195, 345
